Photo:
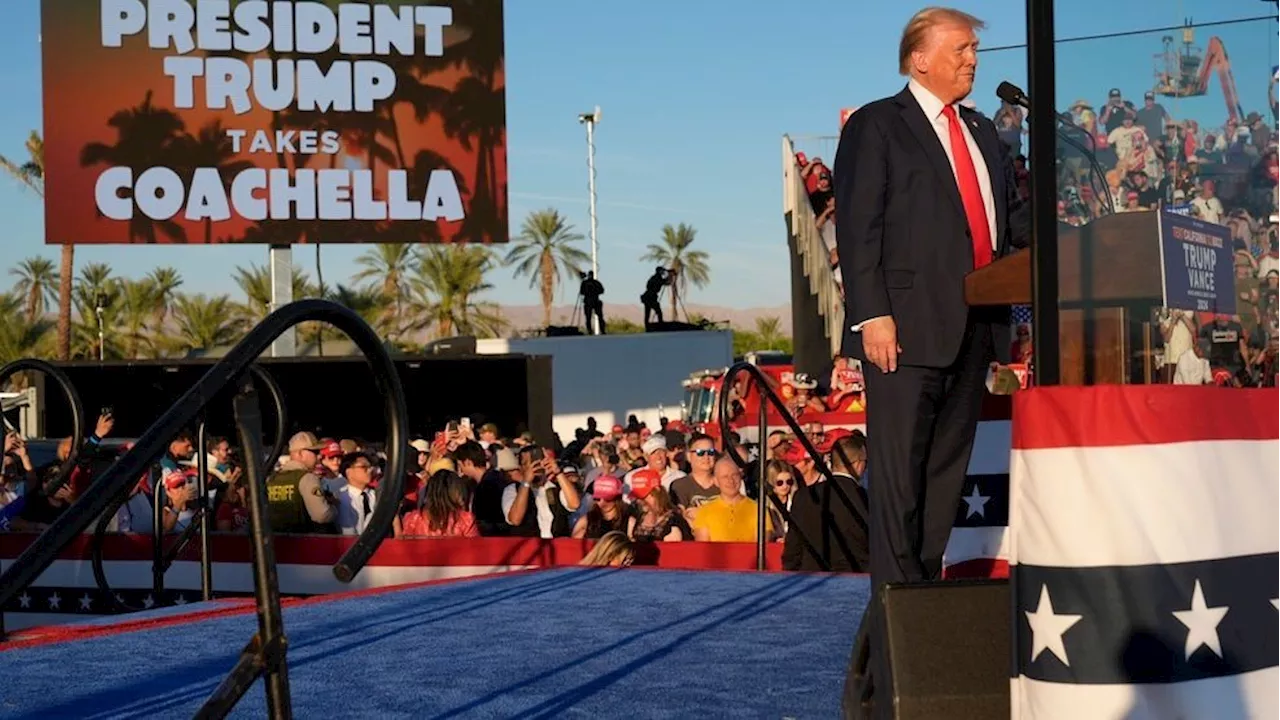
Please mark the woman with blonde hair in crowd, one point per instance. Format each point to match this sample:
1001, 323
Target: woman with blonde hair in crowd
444, 510
781, 481
656, 519
612, 550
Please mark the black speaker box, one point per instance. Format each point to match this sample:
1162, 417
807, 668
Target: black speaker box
949, 649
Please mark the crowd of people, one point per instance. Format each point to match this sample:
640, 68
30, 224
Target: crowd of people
1151, 160
648, 486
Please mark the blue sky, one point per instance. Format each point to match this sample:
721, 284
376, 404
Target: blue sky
696, 96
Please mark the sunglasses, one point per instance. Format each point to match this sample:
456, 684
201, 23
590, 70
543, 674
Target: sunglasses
784, 482
705, 452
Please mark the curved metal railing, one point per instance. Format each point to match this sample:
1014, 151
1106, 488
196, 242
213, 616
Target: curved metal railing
53, 484
265, 653
162, 557
855, 504
60, 379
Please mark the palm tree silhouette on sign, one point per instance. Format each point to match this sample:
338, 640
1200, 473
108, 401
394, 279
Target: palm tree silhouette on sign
36, 284
544, 251
209, 148
146, 137
475, 110
444, 286
673, 252
31, 174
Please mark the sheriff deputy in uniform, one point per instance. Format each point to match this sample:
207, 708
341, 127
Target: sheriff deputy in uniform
297, 501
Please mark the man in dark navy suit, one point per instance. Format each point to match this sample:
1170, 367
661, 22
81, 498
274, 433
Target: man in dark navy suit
925, 193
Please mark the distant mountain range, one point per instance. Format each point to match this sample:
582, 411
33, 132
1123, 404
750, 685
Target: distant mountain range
529, 317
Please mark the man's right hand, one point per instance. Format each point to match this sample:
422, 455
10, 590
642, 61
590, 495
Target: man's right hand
880, 343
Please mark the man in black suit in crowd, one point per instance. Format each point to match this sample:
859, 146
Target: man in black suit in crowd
925, 193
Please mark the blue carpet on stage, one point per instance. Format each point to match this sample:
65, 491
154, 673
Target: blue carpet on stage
574, 642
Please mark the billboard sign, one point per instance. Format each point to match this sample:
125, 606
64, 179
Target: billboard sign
171, 121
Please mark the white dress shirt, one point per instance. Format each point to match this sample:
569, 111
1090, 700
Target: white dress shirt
932, 108
352, 519
540, 506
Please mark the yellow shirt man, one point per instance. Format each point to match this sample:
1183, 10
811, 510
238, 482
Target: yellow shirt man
722, 520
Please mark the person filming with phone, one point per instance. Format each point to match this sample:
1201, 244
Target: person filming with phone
542, 501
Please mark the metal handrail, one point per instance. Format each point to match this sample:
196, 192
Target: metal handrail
268, 646
77, 414
77, 423
854, 505
163, 559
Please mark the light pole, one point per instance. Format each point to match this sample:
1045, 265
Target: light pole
99, 304
590, 119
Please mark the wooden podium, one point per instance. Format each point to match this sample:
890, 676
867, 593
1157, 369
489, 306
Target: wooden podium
1109, 281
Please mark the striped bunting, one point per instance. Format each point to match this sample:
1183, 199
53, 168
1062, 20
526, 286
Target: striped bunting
1145, 542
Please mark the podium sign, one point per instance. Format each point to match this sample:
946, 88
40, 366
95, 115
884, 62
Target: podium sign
1196, 265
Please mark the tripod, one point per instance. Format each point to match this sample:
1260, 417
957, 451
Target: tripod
588, 317
680, 306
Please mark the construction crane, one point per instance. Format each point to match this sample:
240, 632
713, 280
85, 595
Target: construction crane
1185, 71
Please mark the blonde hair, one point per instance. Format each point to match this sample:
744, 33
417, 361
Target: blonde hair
610, 547
921, 23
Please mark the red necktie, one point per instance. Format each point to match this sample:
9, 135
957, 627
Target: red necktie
975, 210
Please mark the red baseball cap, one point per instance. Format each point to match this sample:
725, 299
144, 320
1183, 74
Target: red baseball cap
830, 437
331, 449
174, 479
794, 453
617, 430
606, 487
644, 481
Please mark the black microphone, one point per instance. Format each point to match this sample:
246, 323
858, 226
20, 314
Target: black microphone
1013, 95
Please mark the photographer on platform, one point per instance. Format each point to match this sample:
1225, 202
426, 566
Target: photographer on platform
652, 289
592, 306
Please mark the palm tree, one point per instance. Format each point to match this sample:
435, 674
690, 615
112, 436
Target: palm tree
543, 249
95, 280
386, 268
96, 288
255, 283
769, 330
673, 252
137, 303
31, 174
20, 336
370, 304
146, 137
204, 323
35, 283
166, 281
444, 286
210, 147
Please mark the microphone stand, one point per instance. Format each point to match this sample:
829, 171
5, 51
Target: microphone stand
1090, 153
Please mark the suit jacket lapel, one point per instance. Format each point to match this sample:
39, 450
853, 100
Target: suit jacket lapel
919, 124
989, 144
